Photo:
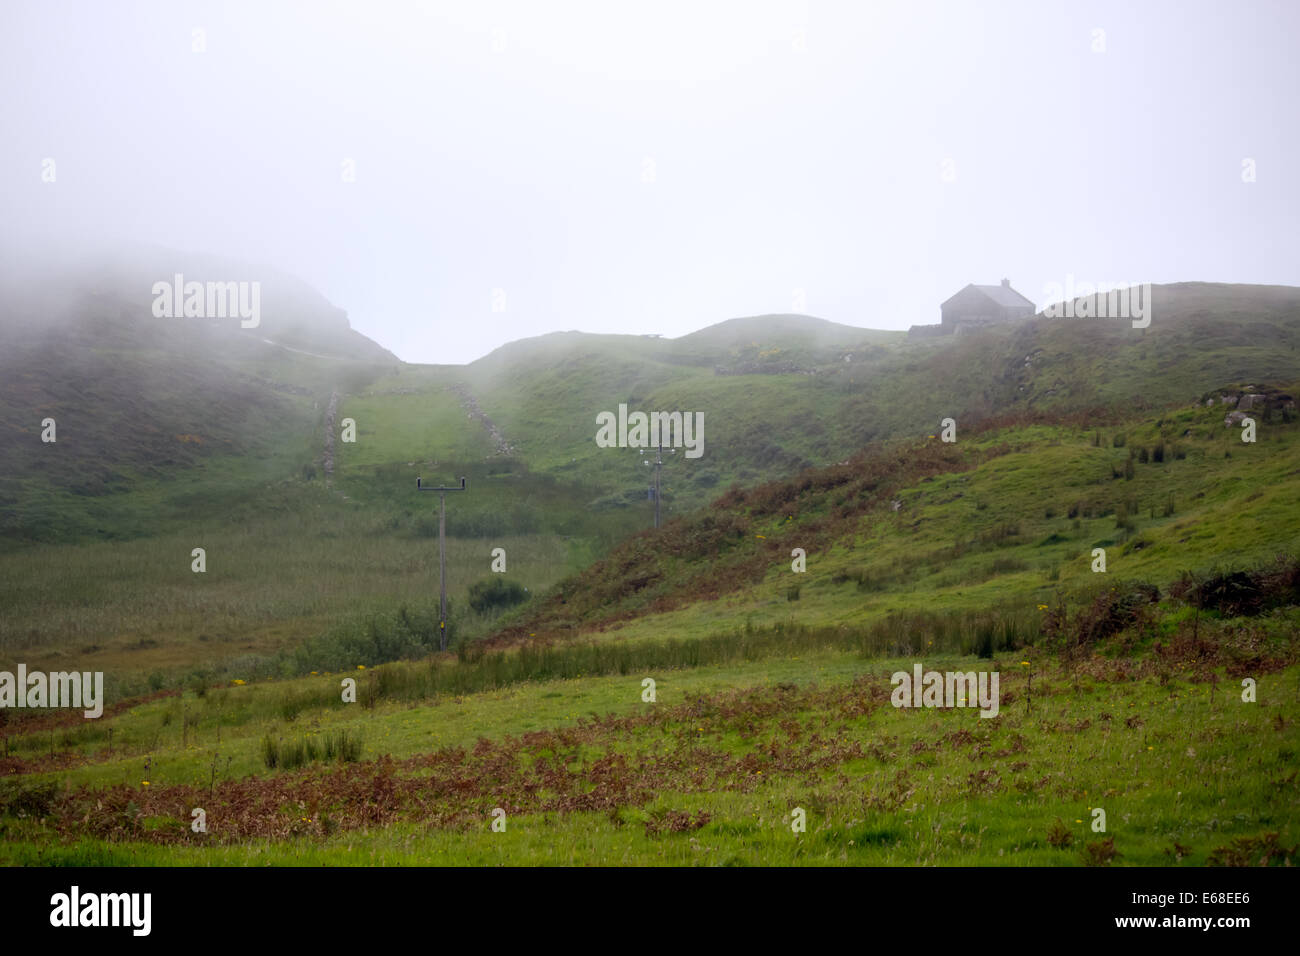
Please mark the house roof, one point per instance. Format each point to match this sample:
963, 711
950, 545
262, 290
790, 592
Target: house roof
1002, 295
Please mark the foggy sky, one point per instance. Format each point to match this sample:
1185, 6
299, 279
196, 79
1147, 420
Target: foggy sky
792, 146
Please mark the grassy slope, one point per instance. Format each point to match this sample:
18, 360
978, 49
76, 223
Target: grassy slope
545, 393
1013, 528
160, 421
1118, 732
143, 403
887, 786
922, 795
214, 431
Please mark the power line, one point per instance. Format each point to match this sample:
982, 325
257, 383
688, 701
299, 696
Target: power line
442, 553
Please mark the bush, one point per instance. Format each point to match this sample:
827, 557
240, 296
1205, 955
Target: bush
339, 747
1110, 612
293, 755
494, 593
1100, 852
22, 799
1059, 835
1124, 517
1245, 593
1261, 850
375, 640
270, 752
290, 707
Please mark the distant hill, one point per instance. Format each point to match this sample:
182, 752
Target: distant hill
184, 408
43, 290
783, 392
139, 399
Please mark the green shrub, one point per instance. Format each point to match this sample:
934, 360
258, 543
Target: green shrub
342, 746
270, 752
293, 755
389, 636
1244, 593
1059, 835
494, 593
21, 799
338, 747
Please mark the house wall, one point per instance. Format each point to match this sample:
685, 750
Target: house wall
969, 306
972, 307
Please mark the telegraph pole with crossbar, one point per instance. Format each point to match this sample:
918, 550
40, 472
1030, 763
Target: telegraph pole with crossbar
658, 464
442, 552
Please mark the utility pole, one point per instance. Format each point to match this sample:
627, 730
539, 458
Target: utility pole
442, 553
658, 465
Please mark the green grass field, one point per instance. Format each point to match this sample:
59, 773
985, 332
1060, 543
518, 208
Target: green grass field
1120, 691
713, 770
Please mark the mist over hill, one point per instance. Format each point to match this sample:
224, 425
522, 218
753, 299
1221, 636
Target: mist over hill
107, 295
142, 399
137, 397
286, 454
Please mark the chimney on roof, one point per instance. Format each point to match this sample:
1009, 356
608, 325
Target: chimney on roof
1006, 283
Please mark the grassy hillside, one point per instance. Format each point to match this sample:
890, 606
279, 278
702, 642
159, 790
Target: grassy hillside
1120, 690
142, 403
772, 689
157, 420
182, 435
850, 387
1004, 514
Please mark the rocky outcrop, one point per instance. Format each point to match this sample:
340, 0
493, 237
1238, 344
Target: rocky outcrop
468, 402
1258, 400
